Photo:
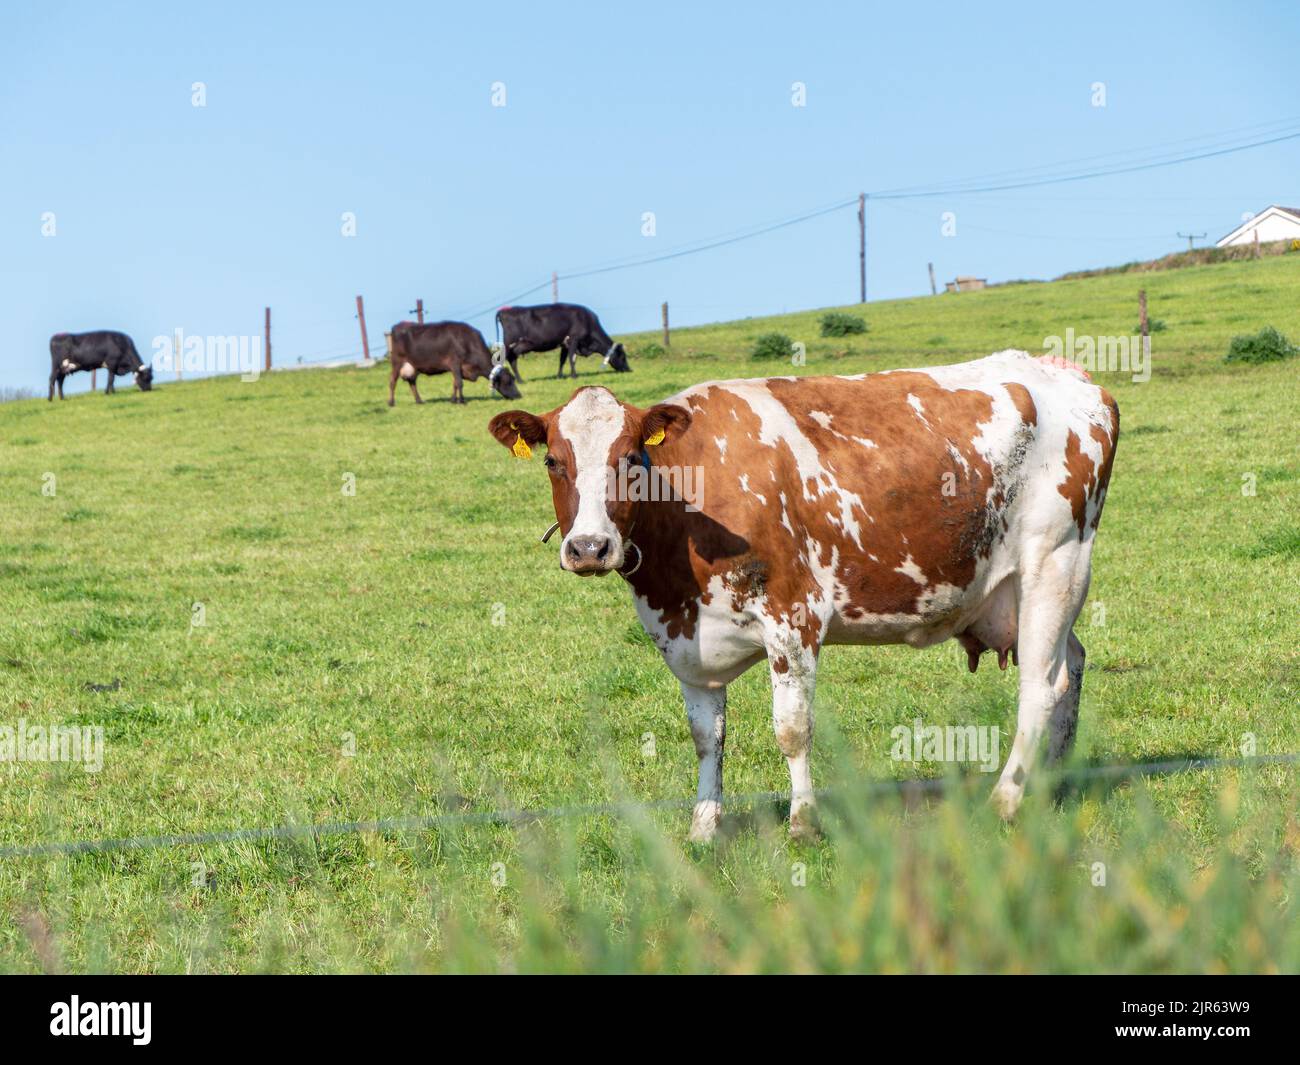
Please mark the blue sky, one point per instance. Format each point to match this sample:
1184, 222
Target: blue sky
173, 216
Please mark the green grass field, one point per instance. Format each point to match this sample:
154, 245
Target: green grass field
412, 649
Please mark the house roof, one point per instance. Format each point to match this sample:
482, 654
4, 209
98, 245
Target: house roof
1293, 212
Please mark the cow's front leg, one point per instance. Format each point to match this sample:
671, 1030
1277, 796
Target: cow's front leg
573, 362
514, 366
108, 389
706, 710
794, 678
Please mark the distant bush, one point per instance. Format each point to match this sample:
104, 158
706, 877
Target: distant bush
1268, 345
650, 351
838, 324
772, 346
1154, 325
10, 395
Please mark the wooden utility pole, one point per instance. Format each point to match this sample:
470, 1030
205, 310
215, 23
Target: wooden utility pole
268, 340
934, 289
361, 317
665, 316
1142, 313
1189, 237
419, 311
1256, 244
862, 246
555, 287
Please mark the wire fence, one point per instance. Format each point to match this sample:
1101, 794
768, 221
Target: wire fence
424, 822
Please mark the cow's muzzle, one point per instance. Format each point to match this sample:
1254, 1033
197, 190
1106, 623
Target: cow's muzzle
590, 554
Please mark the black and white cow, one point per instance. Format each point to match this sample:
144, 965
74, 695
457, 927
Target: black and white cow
115, 352
572, 328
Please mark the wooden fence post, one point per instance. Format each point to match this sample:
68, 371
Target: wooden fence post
667, 342
361, 317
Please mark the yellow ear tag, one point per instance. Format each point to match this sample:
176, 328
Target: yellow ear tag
521, 448
656, 438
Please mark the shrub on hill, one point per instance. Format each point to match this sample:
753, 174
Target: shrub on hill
1268, 345
839, 324
772, 346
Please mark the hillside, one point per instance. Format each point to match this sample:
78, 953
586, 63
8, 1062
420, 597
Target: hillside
287, 651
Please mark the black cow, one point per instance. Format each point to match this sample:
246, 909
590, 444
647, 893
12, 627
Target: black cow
574, 329
115, 352
442, 347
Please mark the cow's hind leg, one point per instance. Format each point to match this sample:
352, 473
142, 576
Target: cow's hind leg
1051, 666
706, 710
514, 366
53, 377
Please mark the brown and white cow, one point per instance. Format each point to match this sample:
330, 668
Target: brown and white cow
910, 506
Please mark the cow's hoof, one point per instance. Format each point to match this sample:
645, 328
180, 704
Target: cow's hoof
391, 403
803, 825
704, 822
1006, 800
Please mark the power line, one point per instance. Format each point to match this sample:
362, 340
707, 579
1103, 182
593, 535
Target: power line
921, 192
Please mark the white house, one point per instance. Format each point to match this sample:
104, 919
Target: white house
1272, 223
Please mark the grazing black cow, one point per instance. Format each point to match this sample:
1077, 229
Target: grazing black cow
572, 328
445, 347
115, 352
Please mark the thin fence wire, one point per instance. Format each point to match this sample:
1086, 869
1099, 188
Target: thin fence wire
425, 822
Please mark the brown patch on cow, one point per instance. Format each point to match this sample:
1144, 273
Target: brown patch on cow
906, 473
780, 664
1080, 480
1086, 480
1024, 402
1108, 445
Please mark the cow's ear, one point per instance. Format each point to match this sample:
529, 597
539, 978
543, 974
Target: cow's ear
662, 421
516, 425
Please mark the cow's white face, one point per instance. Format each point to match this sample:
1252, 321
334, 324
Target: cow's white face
588, 442
591, 423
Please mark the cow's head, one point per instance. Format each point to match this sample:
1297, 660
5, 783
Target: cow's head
144, 378
503, 382
616, 358
590, 441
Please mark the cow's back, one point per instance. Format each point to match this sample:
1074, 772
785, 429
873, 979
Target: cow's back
904, 495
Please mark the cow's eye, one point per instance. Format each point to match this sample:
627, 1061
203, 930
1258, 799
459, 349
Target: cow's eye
551, 464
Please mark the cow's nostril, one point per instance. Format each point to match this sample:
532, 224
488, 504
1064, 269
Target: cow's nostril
604, 550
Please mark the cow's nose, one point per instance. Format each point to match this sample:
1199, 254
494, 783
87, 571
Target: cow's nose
588, 552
